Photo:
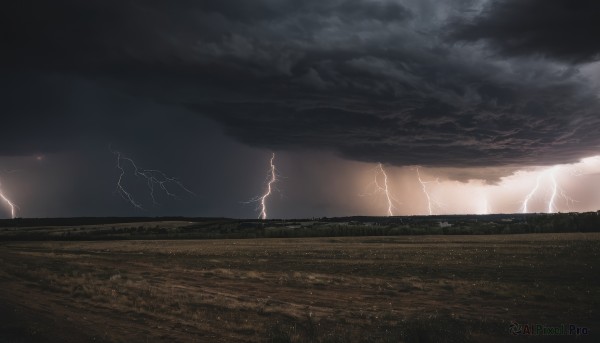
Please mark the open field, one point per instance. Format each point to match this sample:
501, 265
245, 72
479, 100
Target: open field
344, 289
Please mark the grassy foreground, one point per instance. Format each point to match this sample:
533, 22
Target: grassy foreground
345, 289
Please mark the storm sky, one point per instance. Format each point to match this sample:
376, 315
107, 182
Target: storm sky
482, 97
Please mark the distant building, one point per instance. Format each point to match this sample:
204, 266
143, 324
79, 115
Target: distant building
444, 224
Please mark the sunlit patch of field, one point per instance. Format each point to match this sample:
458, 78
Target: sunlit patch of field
356, 289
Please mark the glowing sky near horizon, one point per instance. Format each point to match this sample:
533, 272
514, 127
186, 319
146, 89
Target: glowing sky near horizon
577, 190
321, 185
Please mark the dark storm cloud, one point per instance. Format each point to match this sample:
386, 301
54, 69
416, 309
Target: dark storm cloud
369, 80
561, 29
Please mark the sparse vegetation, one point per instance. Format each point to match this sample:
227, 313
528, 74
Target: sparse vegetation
220, 228
345, 289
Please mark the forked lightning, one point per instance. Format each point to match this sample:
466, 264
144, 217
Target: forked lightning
430, 200
554, 190
385, 188
272, 179
152, 178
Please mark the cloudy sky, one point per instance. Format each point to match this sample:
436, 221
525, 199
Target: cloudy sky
470, 106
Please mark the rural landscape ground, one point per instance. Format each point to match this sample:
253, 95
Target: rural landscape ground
426, 288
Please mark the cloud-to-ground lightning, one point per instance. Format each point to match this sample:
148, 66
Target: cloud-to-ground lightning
152, 178
10, 204
270, 186
430, 200
385, 188
551, 206
553, 189
272, 180
531, 193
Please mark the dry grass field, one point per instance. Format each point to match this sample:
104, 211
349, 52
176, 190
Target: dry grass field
352, 289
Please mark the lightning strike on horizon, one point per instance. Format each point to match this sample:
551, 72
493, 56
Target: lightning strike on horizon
551, 206
430, 200
263, 199
555, 191
9, 203
385, 189
530, 194
153, 177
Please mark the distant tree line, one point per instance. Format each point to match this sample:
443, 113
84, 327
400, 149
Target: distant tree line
219, 228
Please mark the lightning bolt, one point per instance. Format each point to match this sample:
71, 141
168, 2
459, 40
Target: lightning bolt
9, 203
554, 190
272, 178
551, 206
430, 200
153, 177
530, 194
385, 189
263, 199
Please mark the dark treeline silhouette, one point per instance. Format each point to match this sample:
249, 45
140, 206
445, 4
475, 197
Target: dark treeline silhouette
223, 228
